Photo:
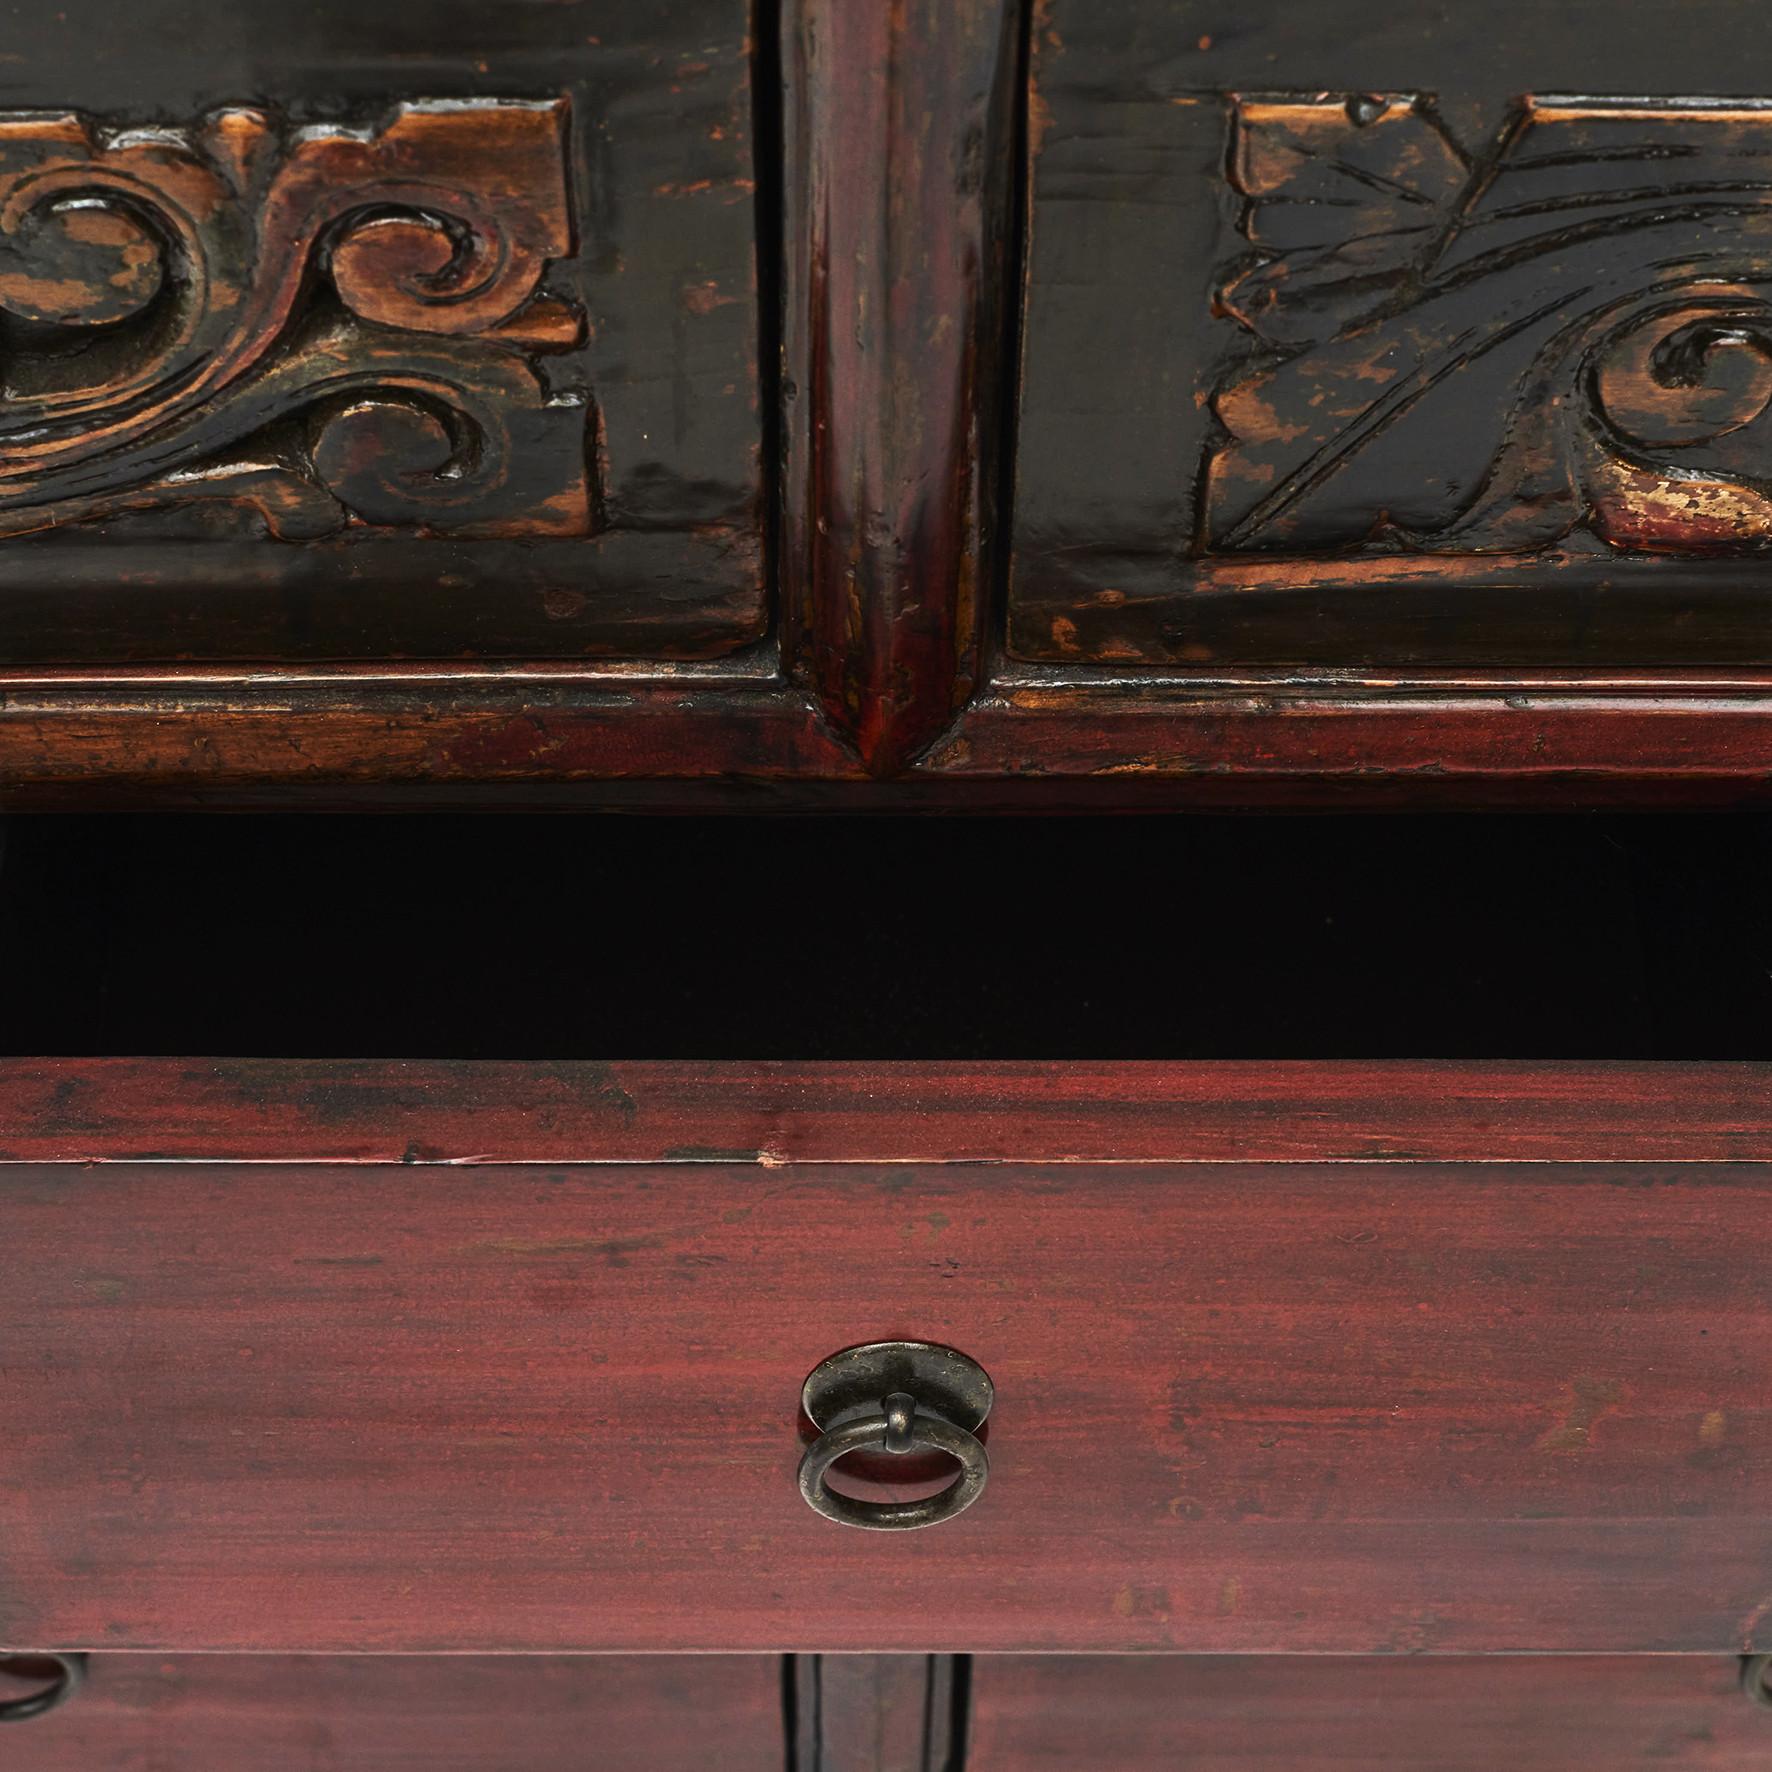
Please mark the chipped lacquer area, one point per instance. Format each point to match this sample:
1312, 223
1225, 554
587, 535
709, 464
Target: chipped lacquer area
1491, 352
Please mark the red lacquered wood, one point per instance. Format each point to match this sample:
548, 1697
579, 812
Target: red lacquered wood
1240, 1406
1291, 742
899, 175
1328, 1714
227, 1713
107, 1110
727, 742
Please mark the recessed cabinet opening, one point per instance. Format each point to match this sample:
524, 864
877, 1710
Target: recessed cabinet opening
1553, 937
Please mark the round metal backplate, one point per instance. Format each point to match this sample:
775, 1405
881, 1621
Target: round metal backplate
851, 1384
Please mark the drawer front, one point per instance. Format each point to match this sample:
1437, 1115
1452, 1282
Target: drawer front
1358, 1405
226, 1713
1417, 1714
1349, 348
359, 333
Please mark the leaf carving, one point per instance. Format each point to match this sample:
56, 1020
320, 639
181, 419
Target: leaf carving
1573, 338
1345, 199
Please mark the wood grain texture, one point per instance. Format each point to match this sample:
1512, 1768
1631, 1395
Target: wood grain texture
1420, 1714
225, 1713
117, 1110
899, 177
1354, 1407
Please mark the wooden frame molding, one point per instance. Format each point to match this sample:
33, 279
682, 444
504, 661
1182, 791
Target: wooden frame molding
877, 1713
319, 1111
900, 139
725, 739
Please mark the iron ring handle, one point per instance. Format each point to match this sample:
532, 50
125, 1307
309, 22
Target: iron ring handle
71, 1674
1756, 1678
898, 1427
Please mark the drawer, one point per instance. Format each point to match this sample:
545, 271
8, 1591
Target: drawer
1423, 1714
1389, 340
228, 1713
425, 1357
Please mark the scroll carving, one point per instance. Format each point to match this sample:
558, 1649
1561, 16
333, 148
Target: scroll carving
1565, 340
307, 330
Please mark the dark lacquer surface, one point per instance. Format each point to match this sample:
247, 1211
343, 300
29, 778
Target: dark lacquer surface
401, 333
1414, 362
1316, 498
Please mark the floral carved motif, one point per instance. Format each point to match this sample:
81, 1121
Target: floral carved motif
307, 330
1566, 339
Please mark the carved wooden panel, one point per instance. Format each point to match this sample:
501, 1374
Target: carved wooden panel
1411, 365
423, 337
1461, 355
323, 329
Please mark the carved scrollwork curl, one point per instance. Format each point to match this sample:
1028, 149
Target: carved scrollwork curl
1680, 459
78, 260
422, 271
1690, 376
166, 292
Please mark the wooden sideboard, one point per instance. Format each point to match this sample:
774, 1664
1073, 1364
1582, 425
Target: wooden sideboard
1047, 403
1307, 1293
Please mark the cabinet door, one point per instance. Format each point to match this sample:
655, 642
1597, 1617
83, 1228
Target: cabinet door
362, 332
1397, 339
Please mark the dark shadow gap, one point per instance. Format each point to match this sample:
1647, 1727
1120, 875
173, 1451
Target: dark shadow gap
1545, 937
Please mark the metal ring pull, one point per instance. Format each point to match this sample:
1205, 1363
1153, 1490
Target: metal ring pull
66, 1674
1756, 1678
896, 1397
